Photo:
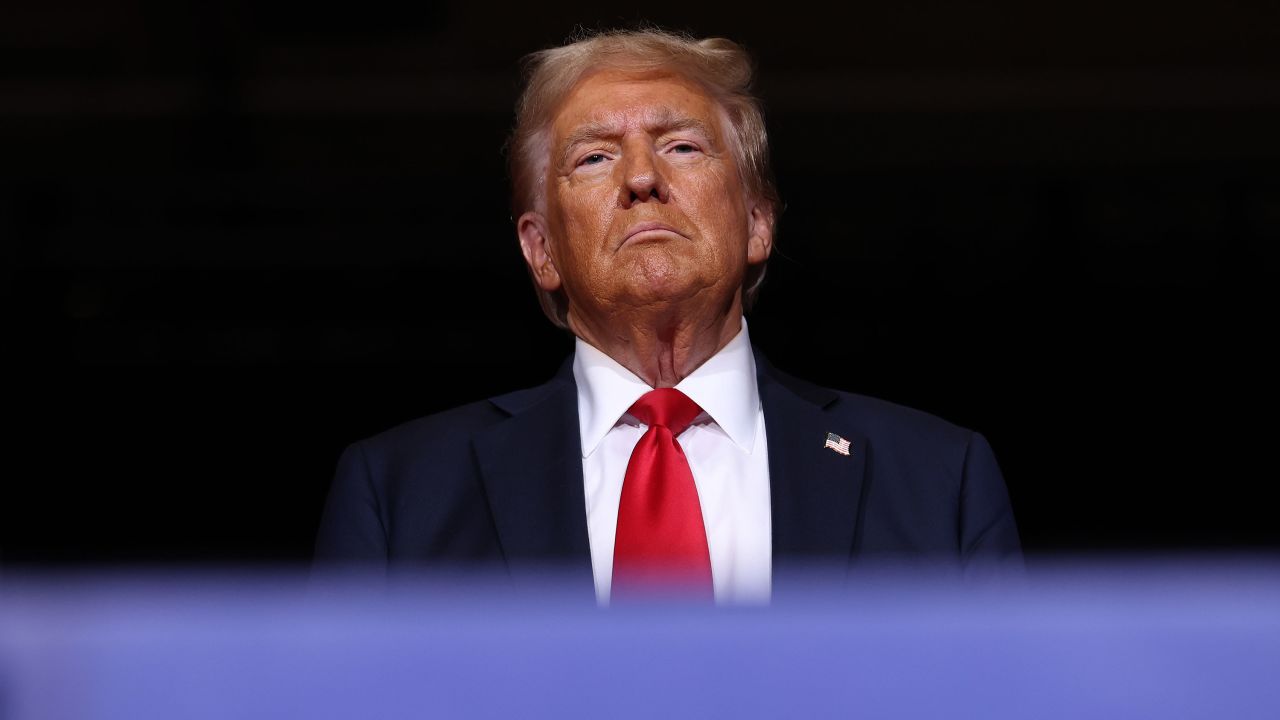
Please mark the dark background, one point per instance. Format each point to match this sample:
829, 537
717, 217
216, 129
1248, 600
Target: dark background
238, 236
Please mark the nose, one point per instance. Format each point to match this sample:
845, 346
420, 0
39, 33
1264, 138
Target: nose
642, 179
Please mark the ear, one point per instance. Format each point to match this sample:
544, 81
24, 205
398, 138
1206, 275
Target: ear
760, 237
535, 244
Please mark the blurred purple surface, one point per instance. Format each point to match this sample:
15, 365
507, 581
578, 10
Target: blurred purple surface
1159, 638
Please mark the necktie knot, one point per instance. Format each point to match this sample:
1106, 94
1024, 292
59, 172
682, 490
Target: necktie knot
666, 407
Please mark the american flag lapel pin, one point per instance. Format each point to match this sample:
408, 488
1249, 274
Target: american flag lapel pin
837, 443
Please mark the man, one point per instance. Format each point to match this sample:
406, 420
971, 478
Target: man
667, 451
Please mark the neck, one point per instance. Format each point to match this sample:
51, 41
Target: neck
661, 345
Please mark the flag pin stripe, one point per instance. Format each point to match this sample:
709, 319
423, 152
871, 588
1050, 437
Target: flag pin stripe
837, 443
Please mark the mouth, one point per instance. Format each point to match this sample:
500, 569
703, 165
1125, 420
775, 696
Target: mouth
648, 232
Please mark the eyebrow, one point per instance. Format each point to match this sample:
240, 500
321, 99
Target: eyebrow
665, 121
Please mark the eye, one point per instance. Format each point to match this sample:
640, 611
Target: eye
684, 148
593, 159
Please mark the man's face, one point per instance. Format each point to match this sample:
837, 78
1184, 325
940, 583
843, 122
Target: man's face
644, 205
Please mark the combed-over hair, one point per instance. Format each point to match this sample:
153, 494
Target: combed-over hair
722, 67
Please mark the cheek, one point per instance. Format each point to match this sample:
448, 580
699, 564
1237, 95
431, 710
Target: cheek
718, 209
586, 219
583, 216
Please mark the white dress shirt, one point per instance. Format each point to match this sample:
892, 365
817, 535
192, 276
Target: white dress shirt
727, 454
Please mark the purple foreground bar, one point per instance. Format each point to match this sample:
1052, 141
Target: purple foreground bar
1159, 639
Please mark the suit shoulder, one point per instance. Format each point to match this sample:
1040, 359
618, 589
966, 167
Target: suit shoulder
451, 428
441, 427
873, 417
877, 418
916, 443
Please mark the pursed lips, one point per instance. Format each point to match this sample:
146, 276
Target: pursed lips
645, 231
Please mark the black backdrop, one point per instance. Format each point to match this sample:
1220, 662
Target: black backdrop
239, 236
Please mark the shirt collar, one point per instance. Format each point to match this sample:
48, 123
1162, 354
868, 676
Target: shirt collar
724, 387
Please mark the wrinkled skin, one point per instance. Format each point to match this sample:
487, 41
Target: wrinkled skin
645, 223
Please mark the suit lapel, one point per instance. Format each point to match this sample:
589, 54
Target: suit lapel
531, 465
815, 492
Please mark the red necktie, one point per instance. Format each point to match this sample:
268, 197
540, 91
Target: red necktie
661, 543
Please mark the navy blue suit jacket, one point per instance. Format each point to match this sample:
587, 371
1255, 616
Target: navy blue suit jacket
500, 481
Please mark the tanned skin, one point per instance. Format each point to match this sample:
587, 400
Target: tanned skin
645, 224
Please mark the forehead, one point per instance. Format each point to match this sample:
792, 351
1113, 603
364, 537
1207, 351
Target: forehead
620, 99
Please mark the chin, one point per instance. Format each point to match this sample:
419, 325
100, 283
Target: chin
661, 278
665, 290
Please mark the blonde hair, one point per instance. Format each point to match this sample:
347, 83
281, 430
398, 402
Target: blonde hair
722, 67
